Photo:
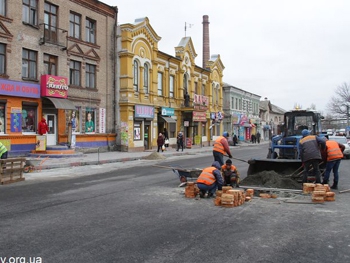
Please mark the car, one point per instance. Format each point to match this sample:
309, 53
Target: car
344, 141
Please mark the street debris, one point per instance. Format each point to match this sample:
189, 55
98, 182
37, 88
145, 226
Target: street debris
155, 156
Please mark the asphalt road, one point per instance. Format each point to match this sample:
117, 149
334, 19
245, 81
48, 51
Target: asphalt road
135, 212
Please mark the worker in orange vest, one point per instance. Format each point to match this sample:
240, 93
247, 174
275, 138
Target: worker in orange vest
334, 154
220, 148
209, 180
230, 174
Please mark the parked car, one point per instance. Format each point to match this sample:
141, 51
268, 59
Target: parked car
344, 141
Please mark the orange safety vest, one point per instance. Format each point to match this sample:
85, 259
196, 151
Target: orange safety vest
218, 147
207, 177
333, 151
225, 168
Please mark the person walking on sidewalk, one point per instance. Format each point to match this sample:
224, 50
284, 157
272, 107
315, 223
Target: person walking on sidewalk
180, 141
220, 148
160, 142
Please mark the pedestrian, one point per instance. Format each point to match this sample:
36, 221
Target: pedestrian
230, 174
42, 127
3, 151
334, 154
220, 148
253, 138
180, 141
258, 136
160, 142
166, 137
209, 180
310, 155
235, 140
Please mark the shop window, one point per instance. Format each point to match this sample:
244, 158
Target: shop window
3, 7
50, 64
90, 120
29, 118
74, 118
2, 59
29, 64
90, 30
137, 131
74, 73
2, 118
74, 25
90, 74
172, 130
30, 12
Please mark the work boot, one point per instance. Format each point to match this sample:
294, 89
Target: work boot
334, 186
211, 195
325, 182
201, 194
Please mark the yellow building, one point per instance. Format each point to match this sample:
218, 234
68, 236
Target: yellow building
160, 91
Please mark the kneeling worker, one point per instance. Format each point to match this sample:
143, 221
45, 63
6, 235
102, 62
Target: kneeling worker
230, 174
209, 180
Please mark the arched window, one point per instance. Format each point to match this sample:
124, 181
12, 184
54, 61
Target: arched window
214, 93
217, 94
136, 75
145, 78
185, 83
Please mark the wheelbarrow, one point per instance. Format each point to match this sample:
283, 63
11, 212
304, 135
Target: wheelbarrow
33, 164
184, 174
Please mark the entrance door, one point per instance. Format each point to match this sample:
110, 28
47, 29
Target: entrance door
147, 137
51, 136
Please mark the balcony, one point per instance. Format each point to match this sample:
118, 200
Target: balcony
53, 35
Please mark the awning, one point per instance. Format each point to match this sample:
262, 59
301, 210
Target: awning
168, 119
64, 104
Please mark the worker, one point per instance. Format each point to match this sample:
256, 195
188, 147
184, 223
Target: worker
310, 155
230, 174
334, 154
3, 151
220, 148
209, 180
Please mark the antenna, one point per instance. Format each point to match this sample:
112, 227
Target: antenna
189, 26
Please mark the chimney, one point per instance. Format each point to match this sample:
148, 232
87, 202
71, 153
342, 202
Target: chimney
206, 48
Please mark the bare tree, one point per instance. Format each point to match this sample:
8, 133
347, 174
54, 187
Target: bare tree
340, 103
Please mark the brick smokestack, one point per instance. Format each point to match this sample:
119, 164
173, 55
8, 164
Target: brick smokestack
206, 47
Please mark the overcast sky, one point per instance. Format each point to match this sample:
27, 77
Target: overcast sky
290, 51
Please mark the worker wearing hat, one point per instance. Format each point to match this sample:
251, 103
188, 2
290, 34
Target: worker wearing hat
310, 155
230, 174
209, 180
221, 148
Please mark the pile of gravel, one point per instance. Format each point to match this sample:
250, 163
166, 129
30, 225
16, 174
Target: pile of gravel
155, 156
270, 179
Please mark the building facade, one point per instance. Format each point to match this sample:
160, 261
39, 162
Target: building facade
159, 91
272, 118
241, 111
57, 61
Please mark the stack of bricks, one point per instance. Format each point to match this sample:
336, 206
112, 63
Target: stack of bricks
229, 197
319, 192
249, 194
191, 190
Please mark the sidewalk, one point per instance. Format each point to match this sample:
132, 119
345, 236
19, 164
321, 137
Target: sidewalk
113, 157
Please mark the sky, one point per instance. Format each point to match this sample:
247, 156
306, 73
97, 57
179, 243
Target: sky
289, 51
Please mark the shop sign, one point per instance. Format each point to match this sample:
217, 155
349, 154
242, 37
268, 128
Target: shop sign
144, 111
168, 111
54, 86
19, 89
199, 116
102, 120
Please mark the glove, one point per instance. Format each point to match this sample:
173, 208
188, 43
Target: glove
230, 156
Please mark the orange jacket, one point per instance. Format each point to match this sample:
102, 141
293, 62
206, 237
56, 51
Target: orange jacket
207, 177
221, 145
333, 151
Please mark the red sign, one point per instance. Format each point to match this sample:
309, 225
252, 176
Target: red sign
199, 116
54, 86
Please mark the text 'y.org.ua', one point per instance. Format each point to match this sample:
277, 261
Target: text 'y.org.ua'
21, 260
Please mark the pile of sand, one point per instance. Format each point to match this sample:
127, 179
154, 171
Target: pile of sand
155, 156
270, 179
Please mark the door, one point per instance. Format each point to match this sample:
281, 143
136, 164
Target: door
51, 136
147, 137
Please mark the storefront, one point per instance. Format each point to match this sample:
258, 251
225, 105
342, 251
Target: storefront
167, 120
20, 108
142, 127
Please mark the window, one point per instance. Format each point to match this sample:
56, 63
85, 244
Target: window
160, 84
172, 130
30, 12
204, 130
137, 131
203, 90
236, 106
29, 64
232, 103
74, 25
136, 75
90, 76
217, 95
145, 78
185, 83
90, 120
196, 88
29, 118
74, 118
90, 30
213, 92
2, 118
74, 73
50, 20
2, 59
171, 87
50, 64
3, 7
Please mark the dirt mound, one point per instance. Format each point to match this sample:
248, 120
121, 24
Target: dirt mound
155, 156
270, 179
